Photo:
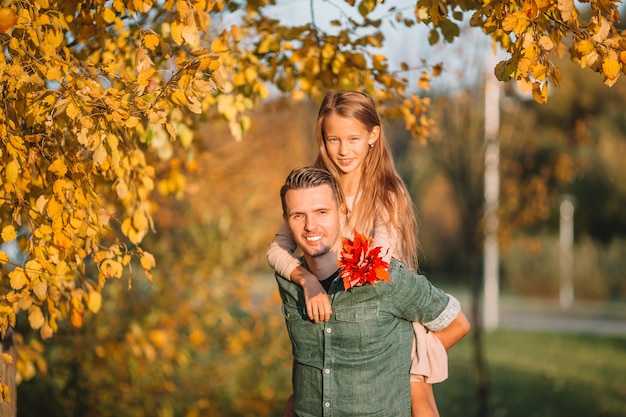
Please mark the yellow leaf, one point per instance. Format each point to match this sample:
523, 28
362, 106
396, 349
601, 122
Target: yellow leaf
94, 301
9, 233
118, 5
76, 318
194, 105
99, 155
99, 256
35, 317
6, 392
111, 269
235, 32
7, 358
151, 41
218, 46
4, 258
178, 97
75, 223
121, 189
145, 76
72, 111
540, 92
18, 278
33, 269
328, 51
509, 23
143, 59
424, 81
539, 72
140, 220
58, 168
131, 122
103, 217
54, 38
147, 261
379, 62
611, 68
176, 29
585, 47
170, 129
40, 290
12, 171
54, 74
190, 35
79, 197
108, 15
546, 43
565, 7
41, 203
55, 208
46, 331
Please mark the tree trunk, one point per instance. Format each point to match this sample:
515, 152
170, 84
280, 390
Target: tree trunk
8, 405
480, 364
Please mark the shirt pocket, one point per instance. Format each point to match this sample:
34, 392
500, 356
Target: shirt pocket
357, 314
358, 329
304, 335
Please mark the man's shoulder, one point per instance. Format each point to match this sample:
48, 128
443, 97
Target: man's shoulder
402, 275
399, 270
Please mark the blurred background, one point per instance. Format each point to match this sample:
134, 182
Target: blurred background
206, 338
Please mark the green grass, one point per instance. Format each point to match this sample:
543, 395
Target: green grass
536, 374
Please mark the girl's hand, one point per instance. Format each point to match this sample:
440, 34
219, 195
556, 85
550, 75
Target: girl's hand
317, 302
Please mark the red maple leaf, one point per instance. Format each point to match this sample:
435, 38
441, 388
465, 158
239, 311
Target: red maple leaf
361, 265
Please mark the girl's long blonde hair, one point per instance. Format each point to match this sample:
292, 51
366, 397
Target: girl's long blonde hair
380, 187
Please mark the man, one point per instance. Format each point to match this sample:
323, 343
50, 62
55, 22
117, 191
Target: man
358, 362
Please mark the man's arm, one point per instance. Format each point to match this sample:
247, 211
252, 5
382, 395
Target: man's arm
415, 299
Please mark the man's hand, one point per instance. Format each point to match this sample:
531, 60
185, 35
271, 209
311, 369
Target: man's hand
288, 411
317, 302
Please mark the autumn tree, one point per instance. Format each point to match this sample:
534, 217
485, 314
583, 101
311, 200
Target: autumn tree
96, 95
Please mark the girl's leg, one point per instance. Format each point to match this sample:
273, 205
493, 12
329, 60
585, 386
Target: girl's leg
423, 400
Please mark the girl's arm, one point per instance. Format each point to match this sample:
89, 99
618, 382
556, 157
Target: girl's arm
458, 328
280, 256
281, 253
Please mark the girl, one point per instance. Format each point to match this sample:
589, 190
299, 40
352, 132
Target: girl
353, 148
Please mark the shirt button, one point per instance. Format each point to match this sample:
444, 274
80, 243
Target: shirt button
327, 404
329, 330
326, 371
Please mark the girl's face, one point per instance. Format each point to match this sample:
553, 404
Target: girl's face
347, 142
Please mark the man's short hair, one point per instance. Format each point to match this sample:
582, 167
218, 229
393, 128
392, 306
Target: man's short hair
310, 177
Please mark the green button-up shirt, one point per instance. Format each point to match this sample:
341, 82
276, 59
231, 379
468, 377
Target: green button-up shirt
357, 364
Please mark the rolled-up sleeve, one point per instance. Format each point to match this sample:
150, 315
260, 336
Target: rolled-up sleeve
280, 254
446, 317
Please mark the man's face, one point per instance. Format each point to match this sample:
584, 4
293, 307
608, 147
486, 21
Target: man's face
313, 218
